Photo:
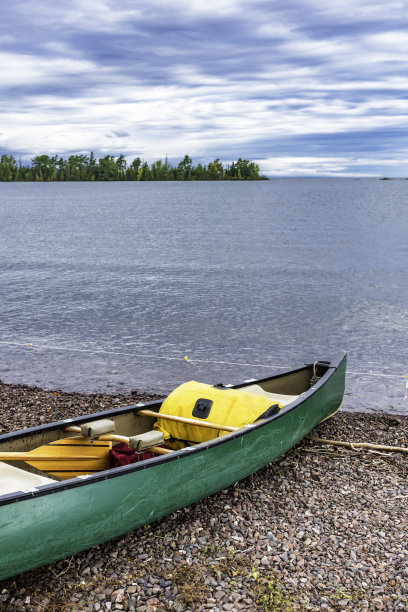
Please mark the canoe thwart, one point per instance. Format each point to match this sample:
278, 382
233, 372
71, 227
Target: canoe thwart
116, 438
171, 417
160, 450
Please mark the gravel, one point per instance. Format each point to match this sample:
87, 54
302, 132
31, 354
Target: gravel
322, 528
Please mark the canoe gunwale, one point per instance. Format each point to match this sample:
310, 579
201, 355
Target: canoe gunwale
58, 486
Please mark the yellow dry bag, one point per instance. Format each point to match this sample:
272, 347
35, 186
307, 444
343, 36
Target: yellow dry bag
203, 402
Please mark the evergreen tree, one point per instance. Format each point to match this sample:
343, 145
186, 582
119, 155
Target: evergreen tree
121, 164
44, 168
215, 170
77, 167
200, 173
144, 173
133, 170
107, 169
8, 168
185, 169
91, 167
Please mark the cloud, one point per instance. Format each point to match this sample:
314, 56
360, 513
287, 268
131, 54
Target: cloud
221, 79
340, 166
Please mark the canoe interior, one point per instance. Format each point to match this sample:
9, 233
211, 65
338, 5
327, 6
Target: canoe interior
129, 423
291, 384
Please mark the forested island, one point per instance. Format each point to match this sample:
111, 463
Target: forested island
111, 168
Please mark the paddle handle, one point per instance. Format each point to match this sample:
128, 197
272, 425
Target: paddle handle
171, 417
115, 437
33, 457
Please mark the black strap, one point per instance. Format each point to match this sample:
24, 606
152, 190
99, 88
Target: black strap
274, 409
186, 442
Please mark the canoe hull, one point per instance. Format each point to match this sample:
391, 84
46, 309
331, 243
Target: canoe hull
63, 520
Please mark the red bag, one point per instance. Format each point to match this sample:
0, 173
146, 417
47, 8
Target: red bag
122, 454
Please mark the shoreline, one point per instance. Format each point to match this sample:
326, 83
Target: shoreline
320, 528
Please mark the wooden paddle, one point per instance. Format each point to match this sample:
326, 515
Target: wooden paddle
66, 458
33, 456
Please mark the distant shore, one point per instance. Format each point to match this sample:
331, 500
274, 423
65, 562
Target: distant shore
321, 528
108, 168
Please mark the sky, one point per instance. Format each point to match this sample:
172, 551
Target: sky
304, 88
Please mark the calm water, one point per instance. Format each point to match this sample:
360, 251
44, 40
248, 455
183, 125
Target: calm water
108, 286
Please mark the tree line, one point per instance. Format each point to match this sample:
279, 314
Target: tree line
111, 168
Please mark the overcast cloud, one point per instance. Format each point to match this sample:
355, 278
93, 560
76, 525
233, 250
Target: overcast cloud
304, 88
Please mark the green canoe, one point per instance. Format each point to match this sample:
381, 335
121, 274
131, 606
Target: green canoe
44, 518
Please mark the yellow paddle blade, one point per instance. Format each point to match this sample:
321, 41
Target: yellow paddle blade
66, 452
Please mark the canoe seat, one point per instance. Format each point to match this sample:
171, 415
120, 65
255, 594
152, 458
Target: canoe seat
14, 479
146, 440
97, 428
284, 400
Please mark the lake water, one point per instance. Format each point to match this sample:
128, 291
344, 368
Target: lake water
108, 286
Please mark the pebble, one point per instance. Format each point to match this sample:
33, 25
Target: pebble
322, 528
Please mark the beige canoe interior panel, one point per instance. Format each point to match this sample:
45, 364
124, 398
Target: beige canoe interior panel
284, 400
14, 479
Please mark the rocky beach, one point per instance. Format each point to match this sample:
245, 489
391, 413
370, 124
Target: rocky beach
322, 528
